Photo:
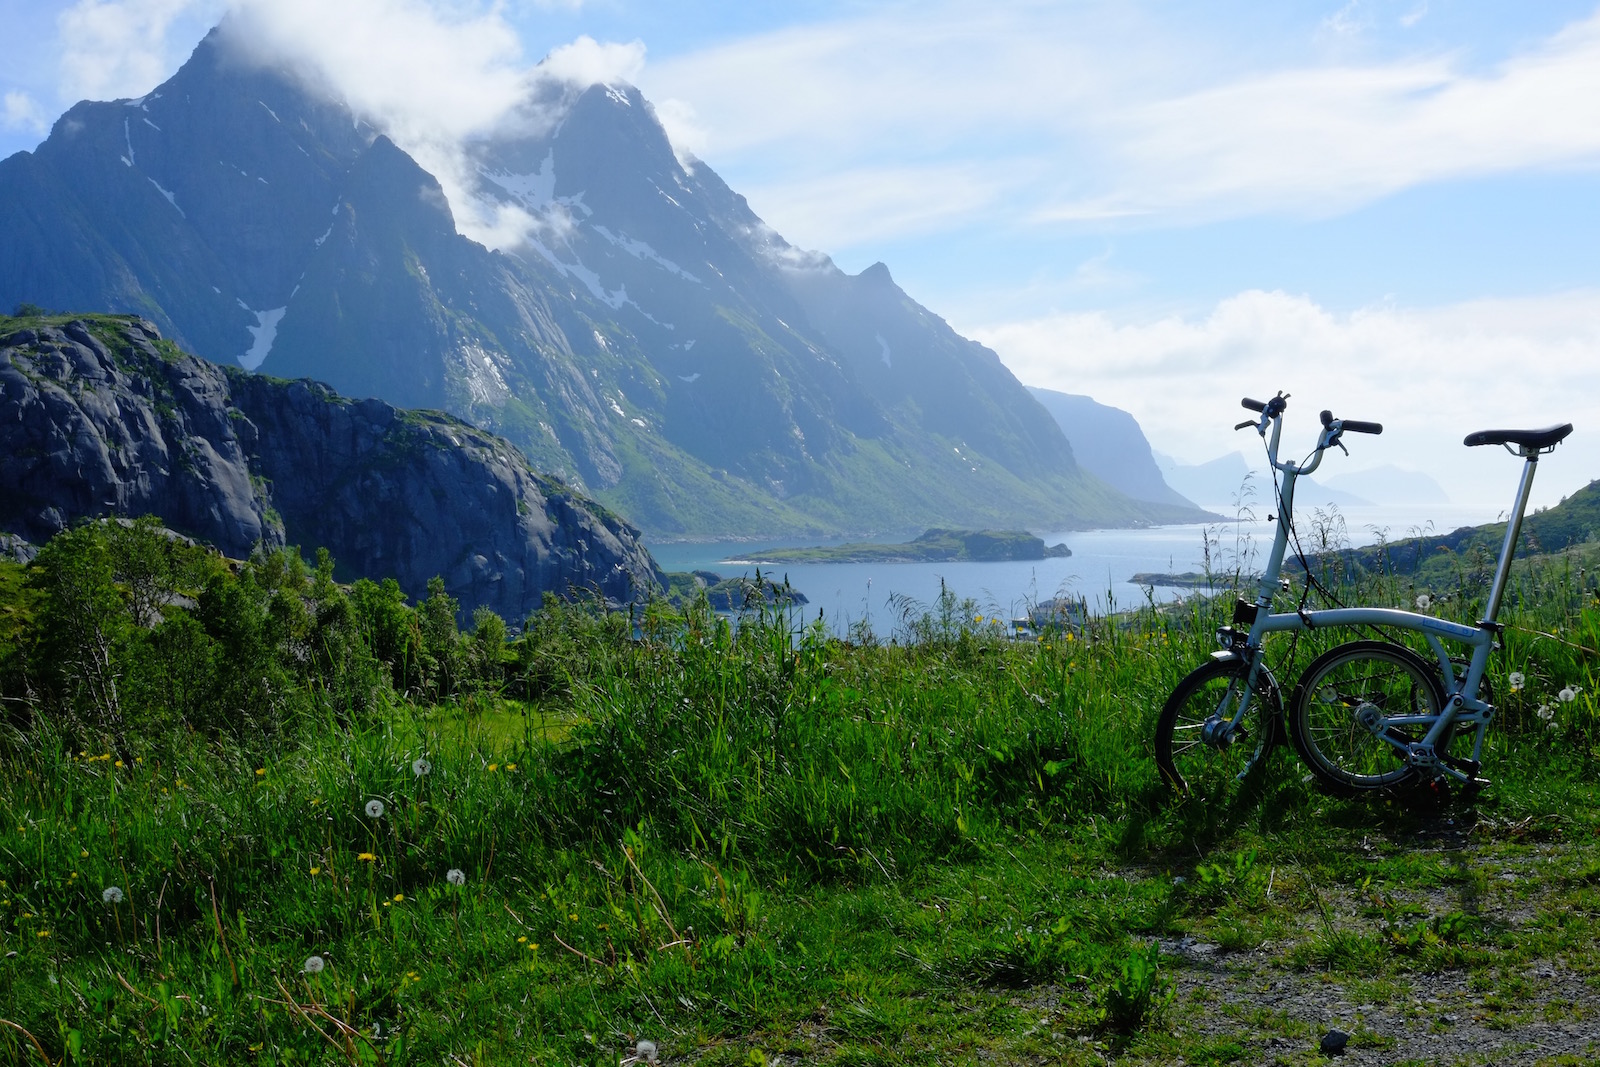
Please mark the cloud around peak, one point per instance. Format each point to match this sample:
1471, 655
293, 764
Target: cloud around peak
435, 79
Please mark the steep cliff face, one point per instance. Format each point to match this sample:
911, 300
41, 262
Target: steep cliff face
100, 416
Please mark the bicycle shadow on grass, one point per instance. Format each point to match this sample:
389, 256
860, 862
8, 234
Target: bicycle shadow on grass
1163, 820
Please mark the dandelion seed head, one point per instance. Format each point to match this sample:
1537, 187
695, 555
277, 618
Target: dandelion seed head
314, 965
456, 876
1424, 601
1517, 680
1569, 694
1546, 712
421, 768
111, 895
646, 1051
374, 809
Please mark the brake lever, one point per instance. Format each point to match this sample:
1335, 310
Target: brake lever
1245, 425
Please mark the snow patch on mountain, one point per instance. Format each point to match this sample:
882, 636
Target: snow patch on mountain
171, 199
262, 334
589, 278
536, 190
642, 251
883, 347
127, 136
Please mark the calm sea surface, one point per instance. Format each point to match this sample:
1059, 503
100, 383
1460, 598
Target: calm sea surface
1099, 569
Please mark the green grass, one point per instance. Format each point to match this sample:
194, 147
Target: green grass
741, 843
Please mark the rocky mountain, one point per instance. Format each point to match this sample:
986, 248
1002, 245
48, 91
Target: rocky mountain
642, 333
1389, 484
1231, 481
101, 416
1109, 444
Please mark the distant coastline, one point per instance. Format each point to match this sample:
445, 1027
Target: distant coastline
933, 546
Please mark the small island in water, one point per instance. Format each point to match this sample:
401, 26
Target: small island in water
934, 546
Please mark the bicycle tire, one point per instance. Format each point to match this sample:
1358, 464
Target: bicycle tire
1341, 684
1189, 764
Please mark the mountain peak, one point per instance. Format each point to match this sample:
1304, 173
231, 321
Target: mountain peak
878, 276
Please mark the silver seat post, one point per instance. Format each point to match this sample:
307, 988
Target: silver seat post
1513, 531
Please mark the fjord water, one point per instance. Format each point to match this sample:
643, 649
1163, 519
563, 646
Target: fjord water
1100, 569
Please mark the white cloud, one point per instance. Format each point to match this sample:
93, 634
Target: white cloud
1113, 113
122, 48
21, 111
1429, 375
432, 77
589, 62
1322, 139
868, 204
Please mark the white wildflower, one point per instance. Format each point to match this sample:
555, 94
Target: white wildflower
646, 1052
1546, 712
314, 965
374, 809
112, 895
1424, 601
1517, 681
1569, 694
421, 768
456, 876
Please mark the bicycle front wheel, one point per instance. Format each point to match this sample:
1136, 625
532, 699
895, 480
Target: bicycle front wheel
1339, 718
1190, 754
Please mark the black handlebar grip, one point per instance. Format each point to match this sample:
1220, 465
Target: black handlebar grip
1362, 427
1253, 405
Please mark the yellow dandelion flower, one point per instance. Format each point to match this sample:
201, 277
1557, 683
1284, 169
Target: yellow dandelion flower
119, 763
494, 767
398, 897
511, 766
44, 933
522, 940
83, 854
367, 857
534, 947
260, 771
315, 871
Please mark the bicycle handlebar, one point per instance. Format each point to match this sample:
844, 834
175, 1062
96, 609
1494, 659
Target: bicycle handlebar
1353, 425
1253, 405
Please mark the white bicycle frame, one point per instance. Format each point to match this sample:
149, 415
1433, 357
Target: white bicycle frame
1461, 706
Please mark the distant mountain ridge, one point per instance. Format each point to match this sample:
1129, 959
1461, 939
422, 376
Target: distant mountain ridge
1109, 443
101, 417
650, 340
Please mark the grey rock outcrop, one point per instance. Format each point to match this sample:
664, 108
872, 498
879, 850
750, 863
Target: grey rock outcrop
100, 416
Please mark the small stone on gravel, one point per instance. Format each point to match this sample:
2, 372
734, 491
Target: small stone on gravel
1334, 1041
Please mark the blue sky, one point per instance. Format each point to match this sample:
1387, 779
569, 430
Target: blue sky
1386, 207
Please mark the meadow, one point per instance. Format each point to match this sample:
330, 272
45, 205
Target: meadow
249, 814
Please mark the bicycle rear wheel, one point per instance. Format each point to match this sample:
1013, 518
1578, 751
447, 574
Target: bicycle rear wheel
1191, 758
1338, 710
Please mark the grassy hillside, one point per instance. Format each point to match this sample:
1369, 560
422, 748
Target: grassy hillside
253, 817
